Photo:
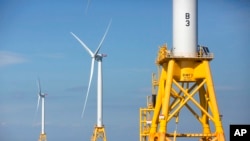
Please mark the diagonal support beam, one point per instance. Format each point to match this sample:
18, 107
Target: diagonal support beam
190, 96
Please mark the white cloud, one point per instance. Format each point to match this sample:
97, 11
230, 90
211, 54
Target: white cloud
10, 58
53, 55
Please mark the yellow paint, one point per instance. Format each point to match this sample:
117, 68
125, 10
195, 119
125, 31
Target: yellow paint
99, 132
182, 80
42, 137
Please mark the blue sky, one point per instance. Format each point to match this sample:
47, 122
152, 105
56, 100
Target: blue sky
35, 40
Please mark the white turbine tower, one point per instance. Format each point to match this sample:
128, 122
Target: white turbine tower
99, 130
41, 96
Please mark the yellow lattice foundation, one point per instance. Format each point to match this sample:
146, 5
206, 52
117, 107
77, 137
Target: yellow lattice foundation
182, 80
98, 133
42, 137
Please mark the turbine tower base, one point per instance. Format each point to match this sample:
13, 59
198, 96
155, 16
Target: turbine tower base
184, 83
99, 132
42, 137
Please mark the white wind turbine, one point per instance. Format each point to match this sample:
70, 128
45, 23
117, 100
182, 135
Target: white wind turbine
98, 58
41, 96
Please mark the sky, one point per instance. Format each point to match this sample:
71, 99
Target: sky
35, 41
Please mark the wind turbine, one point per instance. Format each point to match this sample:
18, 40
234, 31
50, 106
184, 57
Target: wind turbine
41, 96
99, 130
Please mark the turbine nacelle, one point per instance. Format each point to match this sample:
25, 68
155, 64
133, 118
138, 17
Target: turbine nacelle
104, 55
100, 56
42, 94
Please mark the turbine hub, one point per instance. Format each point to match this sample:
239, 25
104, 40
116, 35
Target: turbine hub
99, 57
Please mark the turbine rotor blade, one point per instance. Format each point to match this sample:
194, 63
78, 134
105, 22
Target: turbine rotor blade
38, 101
39, 86
90, 79
83, 44
97, 50
87, 7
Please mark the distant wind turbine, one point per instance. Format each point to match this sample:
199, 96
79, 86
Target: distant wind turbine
42, 97
95, 57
